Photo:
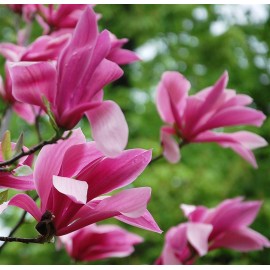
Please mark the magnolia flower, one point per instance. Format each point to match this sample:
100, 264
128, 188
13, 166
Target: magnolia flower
42, 49
74, 86
119, 55
95, 242
192, 118
225, 226
16, 179
62, 17
26, 10
71, 178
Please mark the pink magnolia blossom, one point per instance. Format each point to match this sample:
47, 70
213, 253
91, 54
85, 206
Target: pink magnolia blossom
225, 226
71, 178
26, 10
119, 55
193, 118
74, 86
62, 17
95, 242
42, 49
11, 180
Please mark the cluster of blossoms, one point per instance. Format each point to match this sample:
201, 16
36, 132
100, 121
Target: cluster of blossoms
225, 226
62, 74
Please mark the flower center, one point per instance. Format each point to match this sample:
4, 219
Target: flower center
46, 227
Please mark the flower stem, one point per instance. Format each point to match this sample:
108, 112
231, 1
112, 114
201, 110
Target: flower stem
155, 159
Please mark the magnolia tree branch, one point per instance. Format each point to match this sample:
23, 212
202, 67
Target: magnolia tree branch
39, 240
154, 159
34, 149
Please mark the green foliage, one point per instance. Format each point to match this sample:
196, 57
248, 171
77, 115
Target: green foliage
3, 196
173, 37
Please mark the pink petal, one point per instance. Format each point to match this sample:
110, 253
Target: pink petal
244, 153
198, 234
173, 88
75, 58
122, 56
176, 237
103, 74
67, 15
171, 149
79, 156
96, 242
249, 140
32, 81
240, 142
169, 256
26, 203
71, 116
233, 214
25, 111
109, 128
187, 209
16, 182
45, 48
243, 240
131, 202
213, 95
49, 162
146, 222
11, 51
76, 190
112, 173
191, 115
234, 116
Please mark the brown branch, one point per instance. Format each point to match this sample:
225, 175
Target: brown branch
34, 149
155, 159
39, 240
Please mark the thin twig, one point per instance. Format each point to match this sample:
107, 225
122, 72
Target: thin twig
38, 240
155, 159
181, 144
32, 150
17, 226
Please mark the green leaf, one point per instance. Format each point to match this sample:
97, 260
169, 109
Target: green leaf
50, 113
6, 146
3, 196
19, 145
22, 171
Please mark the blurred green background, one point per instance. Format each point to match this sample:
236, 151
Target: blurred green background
200, 41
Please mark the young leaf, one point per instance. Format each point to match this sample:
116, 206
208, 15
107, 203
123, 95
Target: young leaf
3, 196
50, 113
19, 145
6, 146
22, 171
